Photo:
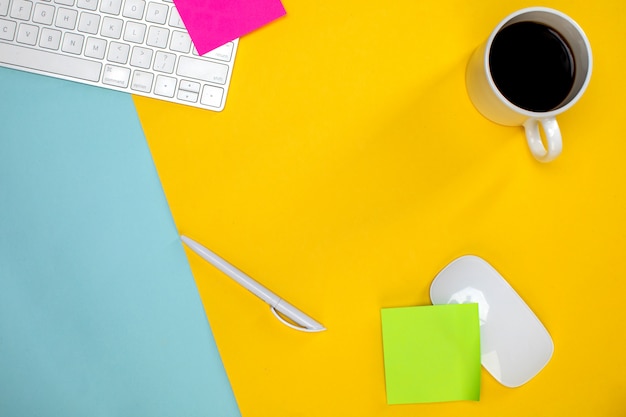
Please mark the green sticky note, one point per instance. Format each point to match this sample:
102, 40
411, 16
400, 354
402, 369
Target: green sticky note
431, 353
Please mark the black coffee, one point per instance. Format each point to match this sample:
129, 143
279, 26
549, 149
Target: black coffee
532, 66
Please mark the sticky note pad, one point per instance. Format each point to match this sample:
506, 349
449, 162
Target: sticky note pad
431, 353
212, 23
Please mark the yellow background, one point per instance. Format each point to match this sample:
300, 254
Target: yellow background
349, 167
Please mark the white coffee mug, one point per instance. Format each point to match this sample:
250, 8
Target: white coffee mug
487, 95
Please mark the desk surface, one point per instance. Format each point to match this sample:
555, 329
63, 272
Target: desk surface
349, 167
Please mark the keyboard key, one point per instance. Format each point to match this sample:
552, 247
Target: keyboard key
223, 53
141, 57
165, 86
95, 48
118, 52
50, 38
142, 81
191, 86
27, 34
89, 23
175, 20
187, 96
164, 62
202, 70
21, 9
7, 29
116, 76
181, 42
73, 43
157, 37
135, 32
88, 4
156, 13
44, 14
54, 63
111, 6
134, 9
65, 2
212, 96
4, 7
66, 19
111, 27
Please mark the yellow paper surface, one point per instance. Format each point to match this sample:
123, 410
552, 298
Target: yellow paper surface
349, 167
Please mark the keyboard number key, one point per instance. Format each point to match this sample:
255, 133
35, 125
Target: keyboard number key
165, 86
7, 30
142, 81
212, 96
116, 76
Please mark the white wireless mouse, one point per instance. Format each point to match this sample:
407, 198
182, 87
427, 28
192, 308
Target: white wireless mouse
515, 346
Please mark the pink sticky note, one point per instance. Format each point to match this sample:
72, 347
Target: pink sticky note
212, 23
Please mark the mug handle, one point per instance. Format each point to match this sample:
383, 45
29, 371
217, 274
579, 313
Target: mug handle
552, 135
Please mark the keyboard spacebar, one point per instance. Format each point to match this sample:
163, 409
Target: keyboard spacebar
63, 65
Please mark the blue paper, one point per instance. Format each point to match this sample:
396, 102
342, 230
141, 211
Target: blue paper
99, 312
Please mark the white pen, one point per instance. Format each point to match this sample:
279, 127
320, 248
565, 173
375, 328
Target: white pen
277, 304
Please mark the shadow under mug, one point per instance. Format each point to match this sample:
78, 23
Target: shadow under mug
491, 102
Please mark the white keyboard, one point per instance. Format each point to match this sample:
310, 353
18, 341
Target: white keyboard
137, 46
